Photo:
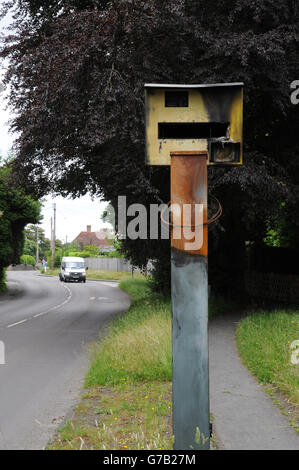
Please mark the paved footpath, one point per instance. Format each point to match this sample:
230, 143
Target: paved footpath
245, 418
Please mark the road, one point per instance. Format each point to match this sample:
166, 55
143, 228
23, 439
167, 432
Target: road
45, 327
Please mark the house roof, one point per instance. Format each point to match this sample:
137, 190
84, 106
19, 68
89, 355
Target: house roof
93, 238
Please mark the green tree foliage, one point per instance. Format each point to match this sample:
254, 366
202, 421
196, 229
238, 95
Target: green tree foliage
16, 210
119, 251
79, 254
2, 280
108, 216
73, 246
58, 258
30, 241
28, 260
59, 253
281, 231
77, 71
92, 250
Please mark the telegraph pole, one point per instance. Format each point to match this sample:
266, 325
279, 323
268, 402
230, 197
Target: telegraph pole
37, 247
53, 235
52, 266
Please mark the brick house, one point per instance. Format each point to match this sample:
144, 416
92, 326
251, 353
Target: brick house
88, 238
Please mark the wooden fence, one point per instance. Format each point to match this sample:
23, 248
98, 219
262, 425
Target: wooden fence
111, 264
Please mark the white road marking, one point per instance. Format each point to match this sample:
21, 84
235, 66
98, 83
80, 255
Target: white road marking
92, 298
46, 311
111, 284
103, 298
18, 323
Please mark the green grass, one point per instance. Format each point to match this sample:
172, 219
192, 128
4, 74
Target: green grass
111, 275
100, 274
263, 342
120, 418
127, 404
128, 400
138, 347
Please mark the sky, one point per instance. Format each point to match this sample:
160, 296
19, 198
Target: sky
72, 215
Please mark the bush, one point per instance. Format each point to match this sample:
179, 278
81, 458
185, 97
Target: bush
28, 260
2, 280
91, 250
270, 259
16, 211
79, 254
160, 280
58, 259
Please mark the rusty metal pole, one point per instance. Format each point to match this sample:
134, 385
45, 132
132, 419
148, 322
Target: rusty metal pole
189, 287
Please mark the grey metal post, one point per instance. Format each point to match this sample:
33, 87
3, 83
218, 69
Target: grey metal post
189, 290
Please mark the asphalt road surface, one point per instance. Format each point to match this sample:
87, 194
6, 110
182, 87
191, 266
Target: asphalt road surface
45, 326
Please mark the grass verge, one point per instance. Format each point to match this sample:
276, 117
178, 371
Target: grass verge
123, 417
100, 274
138, 347
263, 342
127, 404
128, 400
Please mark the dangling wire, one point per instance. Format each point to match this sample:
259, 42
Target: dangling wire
209, 222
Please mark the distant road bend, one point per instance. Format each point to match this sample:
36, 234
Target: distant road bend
45, 327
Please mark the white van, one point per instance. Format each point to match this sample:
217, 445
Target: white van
72, 269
